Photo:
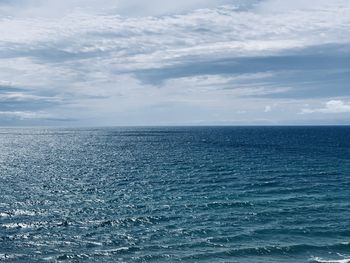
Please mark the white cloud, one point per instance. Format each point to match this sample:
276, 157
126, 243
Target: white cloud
23, 115
161, 7
208, 31
332, 106
287, 6
19, 96
267, 109
54, 8
88, 53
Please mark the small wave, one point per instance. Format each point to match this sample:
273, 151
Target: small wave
4, 215
321, 260
113, 251
17, 212
135, 221
16, 225
67, 257
93, 244
23, 225
6, 257
229, 204
271, 251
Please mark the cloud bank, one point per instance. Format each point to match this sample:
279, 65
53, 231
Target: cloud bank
332, 106
189, 62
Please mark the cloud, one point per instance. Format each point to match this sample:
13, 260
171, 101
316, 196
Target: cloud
53, 8
282, 6
160, 7
332, 106
208, 32
107, 60
18, 104
267, 109
22, 115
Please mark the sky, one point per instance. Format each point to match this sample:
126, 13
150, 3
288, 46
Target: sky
184, 62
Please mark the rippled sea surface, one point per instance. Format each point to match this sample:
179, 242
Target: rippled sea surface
215, 194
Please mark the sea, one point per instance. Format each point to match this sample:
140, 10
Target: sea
175, 194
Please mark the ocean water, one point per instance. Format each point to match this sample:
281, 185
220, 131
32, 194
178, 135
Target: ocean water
185, 194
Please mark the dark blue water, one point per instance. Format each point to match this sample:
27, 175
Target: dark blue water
245, 194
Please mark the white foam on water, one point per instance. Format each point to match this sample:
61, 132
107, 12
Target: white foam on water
18, 212
16, 225
51, 258
20, 225
6, 257
94, 243
4, 215
321, 260
107, 252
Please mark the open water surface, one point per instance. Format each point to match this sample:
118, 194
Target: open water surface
185, 194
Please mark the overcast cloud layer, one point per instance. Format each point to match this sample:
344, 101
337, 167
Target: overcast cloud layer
156, 62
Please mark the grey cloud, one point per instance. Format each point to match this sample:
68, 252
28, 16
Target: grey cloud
14, 98
47, 53
24, 119
9, 88
26, 104
239, 65
321, 72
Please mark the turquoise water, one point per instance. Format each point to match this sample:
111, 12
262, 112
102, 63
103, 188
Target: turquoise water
245, 194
